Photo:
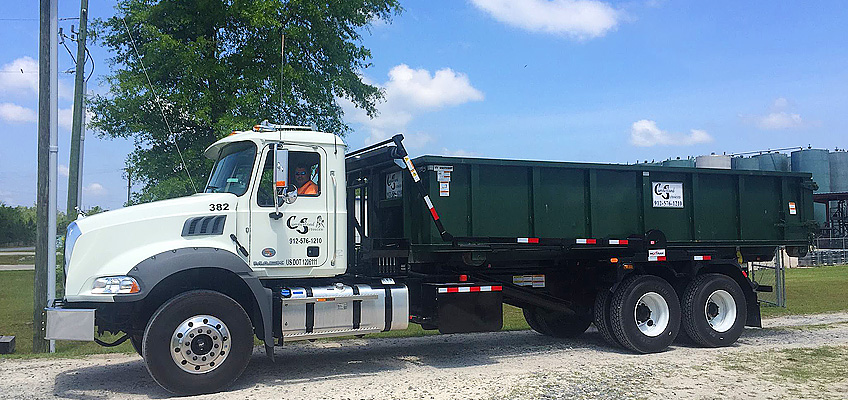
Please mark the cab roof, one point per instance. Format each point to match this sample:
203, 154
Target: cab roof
259, 136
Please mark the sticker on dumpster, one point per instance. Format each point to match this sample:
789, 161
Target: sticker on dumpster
656, 255
444, 189
394, 185
667, 194
792, 210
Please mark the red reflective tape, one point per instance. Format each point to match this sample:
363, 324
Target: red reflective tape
707, 258
497, 288
533, 240
591, 241
433, 213
453, 290
660, 258
475, 288
625, 241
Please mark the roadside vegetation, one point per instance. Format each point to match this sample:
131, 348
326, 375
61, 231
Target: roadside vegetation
809, 291
812, 372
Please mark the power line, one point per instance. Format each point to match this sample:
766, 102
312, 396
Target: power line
159, 103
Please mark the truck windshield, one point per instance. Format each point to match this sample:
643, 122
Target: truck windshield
233, 169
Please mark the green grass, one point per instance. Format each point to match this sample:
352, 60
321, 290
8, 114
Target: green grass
817, 372
16, 301
813, 291
809, 291
11, 259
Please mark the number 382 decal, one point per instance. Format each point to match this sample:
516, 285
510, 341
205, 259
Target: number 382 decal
219, 207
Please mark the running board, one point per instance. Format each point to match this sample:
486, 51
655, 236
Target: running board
327, 334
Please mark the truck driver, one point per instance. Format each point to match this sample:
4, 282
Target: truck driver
305, 186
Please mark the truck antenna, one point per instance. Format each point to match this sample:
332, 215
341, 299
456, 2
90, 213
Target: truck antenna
159, 103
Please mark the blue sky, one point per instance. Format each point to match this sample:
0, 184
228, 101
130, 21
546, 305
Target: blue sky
566, 80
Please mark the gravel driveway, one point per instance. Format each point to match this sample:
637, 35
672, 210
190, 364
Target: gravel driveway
501, 365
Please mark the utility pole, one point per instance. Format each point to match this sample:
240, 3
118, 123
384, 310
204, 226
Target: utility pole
74, 167
129, 184
47, 54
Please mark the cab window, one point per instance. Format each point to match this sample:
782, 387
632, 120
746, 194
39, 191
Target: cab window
304, 172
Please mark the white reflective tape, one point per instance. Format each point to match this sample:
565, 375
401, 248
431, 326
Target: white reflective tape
699, 258
523, 240
427, 200
464, 289
443, 290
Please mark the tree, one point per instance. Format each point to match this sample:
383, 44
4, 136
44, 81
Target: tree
215, 65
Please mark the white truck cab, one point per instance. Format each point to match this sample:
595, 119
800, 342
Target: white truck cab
259, 251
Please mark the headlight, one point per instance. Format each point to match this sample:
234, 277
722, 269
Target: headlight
115, 285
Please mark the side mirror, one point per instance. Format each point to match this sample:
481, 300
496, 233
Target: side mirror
281, 186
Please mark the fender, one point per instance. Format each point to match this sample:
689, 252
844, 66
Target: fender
156, 268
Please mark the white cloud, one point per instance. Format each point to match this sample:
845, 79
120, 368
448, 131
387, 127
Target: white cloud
779, 120
66, 118
781, 103
21, 77
580, 19
779, 117
94, 189
16, 114
408, 93
64, 170
458, 153
645, 133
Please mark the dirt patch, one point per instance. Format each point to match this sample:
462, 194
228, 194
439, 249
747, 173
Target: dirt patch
501, 365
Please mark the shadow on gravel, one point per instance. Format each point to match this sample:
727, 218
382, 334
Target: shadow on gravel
105, 382
302, 362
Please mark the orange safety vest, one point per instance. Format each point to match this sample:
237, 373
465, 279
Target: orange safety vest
308, 188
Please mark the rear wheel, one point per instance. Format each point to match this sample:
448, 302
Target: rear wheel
714, 310
645, 314
198, 342
530, 315
601, 313
559, 324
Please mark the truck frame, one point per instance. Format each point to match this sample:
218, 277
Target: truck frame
294, 239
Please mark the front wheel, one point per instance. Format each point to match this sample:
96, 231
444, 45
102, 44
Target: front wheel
645, 314
714, 310
198, 342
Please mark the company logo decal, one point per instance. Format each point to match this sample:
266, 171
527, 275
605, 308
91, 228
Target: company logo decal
268, 252
303, 225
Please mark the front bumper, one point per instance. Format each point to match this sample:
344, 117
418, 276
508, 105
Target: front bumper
69, 323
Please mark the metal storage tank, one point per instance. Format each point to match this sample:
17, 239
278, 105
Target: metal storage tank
746, 163
773, 162
689, 163
713, 161
816, 162
839, 171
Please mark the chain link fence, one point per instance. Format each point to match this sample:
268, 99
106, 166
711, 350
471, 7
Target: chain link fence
771, 274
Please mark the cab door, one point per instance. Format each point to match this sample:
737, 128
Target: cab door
293, 243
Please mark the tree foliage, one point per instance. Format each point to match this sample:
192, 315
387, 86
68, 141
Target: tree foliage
215, 65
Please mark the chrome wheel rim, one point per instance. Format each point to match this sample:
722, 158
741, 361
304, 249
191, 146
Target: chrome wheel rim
651, 314
720, 311
200, 344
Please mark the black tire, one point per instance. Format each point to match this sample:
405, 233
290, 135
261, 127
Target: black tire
560, 324
631, 312
136, 341
174, 314
601, 312
531, 316
714, 331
